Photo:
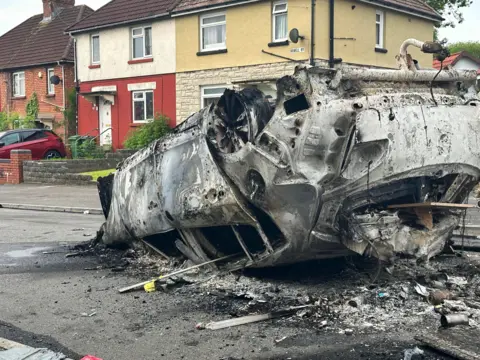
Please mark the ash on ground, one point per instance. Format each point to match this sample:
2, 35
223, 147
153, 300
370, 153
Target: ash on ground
347, 296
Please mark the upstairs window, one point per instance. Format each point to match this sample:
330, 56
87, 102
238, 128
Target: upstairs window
213, 29
142, 106
18, 84
141, 42
379, 29
51, 87
95, 49
280, 21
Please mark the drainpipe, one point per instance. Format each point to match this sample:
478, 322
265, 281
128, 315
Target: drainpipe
64, 101
312, 36
331, 8
77, 83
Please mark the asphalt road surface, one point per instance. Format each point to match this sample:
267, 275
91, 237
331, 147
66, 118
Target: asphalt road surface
43, 297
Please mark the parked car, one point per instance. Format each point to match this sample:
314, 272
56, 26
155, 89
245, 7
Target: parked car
44, 144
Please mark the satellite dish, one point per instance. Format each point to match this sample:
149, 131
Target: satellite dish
55, 80
295, 35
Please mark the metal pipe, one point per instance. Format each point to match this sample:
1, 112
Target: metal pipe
331, 57
453, 320
405, 75
312, 36
407, 43
77, 85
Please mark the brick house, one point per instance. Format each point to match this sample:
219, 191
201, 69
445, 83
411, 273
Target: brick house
125, 68
34, 52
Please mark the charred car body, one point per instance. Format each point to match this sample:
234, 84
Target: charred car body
316, 175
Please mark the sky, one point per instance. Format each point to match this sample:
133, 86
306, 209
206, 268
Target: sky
469, 30
13, 13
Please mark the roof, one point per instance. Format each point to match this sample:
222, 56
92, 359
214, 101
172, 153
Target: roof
419, 7
34, 43
415, 6
118, 12
452, 59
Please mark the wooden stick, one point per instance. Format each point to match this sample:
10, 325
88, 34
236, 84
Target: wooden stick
139, 285
155, 249
216, 325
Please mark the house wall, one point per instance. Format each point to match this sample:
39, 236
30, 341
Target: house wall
36, 81
466, 63
356, 20
249, 30
116, 52
189, 83
122, 110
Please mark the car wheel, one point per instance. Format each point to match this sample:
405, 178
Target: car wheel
52, 154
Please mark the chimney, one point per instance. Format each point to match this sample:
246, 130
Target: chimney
53, 7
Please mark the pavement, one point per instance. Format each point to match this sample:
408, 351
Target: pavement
53, 198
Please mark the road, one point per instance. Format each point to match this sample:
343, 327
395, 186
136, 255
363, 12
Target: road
43, 296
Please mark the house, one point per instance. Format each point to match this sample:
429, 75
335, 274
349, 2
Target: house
227, 43
136, 58
38, 57
460, 60
125, 67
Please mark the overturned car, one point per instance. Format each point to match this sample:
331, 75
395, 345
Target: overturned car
376, 162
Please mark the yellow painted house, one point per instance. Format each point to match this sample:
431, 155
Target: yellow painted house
225, 43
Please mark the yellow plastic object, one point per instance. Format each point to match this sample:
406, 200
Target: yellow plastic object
150, 287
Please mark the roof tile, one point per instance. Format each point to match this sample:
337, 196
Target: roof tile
124, 11
33, 42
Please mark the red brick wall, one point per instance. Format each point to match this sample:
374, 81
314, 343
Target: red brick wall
49, 104
11, 171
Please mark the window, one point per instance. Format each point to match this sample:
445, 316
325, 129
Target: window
33, 135
142, 42
213, 32
379, 28
280, 21
142, 106
211, 94
19, 84
10, 139
95, 44
51, 87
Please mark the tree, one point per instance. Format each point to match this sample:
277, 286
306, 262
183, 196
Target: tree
451, 10
472, 47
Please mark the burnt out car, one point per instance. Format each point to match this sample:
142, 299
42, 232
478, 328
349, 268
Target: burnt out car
341, 163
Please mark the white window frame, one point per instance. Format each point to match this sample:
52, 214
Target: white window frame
92, 60
204, 96
221, 46
381, 27
274, 19
142, 35
51, 87
145, 106
18, 74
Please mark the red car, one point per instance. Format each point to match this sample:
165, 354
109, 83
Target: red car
44, 144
